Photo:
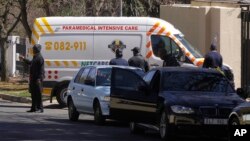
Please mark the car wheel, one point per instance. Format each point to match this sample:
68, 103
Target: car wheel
98, 117
61, 94
135, 129
73, 113
234, 121
163, 127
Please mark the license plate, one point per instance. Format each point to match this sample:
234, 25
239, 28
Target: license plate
215, 121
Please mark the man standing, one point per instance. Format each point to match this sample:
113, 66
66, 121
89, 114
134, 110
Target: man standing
137, 60
213, 59
118, 60
35, 79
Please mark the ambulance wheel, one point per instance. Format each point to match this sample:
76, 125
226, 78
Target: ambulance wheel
61, 94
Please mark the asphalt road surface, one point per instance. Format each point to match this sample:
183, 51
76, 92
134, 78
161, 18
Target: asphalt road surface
53, 124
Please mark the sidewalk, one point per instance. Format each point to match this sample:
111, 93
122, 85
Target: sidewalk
15, 98
21, 99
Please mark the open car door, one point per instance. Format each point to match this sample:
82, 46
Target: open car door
130, 97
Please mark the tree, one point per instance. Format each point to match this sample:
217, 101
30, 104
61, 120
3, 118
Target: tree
9, 18
24, 17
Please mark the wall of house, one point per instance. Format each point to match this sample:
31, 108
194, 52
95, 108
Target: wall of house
203, 25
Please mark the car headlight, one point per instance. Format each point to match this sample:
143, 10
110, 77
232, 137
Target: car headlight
182, 109
246, 117
106, 98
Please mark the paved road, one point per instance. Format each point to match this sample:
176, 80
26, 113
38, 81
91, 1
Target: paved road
53, 124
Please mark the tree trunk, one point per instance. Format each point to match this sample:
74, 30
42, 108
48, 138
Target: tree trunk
4, 73
25, 18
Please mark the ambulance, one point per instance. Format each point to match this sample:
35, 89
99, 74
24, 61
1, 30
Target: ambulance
71, 42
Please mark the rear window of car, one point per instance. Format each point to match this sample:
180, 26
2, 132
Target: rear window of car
195, 81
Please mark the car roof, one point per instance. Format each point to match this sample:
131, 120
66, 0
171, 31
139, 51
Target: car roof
111, 66
186, 69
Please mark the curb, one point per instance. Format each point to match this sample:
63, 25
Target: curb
15, 98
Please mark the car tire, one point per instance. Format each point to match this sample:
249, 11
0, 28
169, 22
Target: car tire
234, 121
135, 129
72, 112
61, 93
164, 128
98, 117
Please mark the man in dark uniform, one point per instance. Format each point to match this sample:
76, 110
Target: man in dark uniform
36, 78
118, 60
213, 59
137, 60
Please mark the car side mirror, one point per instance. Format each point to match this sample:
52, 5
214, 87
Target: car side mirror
241, 93
89, 82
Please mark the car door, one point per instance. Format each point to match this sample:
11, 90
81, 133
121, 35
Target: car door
88, 92
80, 90
74, 88
130, 98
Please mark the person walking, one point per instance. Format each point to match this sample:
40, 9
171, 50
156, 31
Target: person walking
36, 78
213, 59
137, 60
118, 60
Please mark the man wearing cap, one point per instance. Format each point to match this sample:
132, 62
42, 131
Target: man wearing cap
35, 78
213, 59
137, 60
118, 60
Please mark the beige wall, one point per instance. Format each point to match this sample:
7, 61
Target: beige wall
201, 24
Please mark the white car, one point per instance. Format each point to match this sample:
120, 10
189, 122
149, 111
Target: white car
89, 92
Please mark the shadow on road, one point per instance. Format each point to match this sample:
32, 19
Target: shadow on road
53, 106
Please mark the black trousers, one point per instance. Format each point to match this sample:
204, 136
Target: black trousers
35, 88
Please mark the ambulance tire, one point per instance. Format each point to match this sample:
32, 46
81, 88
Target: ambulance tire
60, 95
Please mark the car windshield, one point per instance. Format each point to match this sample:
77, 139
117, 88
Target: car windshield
195, 81
103, 77
195, 52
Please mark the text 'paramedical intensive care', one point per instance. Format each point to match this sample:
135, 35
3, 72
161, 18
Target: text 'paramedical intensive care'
101, 27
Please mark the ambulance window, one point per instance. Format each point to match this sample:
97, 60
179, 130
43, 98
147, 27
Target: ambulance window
194, 51
159, 42
176, 51
84, 75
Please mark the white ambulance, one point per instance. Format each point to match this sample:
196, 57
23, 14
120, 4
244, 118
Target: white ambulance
71, 42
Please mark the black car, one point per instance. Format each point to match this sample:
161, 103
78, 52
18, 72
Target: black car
240, 115
172, 97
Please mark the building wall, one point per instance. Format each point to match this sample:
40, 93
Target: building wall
203, 25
